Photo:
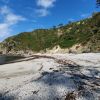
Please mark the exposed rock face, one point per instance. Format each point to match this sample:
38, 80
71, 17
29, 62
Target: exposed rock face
59, 33
3, 49
78, 48
57, 49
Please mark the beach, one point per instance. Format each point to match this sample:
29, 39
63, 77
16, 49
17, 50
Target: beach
52, 77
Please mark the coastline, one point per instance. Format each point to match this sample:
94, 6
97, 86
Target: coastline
4, 59
51, 76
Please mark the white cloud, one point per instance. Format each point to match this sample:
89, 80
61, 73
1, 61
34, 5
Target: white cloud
71, 19
4, 30
9, 19
84, 15
14, 19
42, 12
4, 10
45, 5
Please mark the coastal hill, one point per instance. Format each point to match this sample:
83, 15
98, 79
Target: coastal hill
78, 37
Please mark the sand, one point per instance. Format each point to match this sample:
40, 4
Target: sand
52, 77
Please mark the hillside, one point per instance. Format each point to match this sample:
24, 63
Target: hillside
84, 34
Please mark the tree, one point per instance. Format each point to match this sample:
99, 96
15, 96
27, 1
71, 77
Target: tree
54, 27
69, 22
60, 25
98, 3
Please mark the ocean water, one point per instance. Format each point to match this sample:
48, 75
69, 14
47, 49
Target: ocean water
7, 59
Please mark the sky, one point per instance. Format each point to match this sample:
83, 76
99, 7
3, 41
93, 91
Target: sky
18, 16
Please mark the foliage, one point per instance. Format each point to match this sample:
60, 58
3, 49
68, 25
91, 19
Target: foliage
85, 32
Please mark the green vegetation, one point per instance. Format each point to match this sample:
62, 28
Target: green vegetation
85, 32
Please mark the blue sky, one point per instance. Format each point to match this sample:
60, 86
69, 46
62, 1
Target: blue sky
17, 16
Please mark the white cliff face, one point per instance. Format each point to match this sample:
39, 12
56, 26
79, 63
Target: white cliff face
52, 77
77, 48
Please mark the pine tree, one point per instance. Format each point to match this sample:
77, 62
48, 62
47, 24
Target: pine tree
98, 3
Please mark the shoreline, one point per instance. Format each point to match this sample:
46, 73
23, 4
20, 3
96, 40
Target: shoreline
17, 58
52, 76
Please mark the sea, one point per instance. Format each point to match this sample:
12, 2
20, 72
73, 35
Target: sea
6, 59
